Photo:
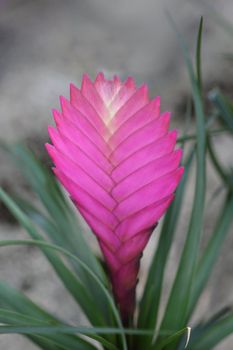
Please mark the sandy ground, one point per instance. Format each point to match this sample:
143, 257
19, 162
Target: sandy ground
47, 44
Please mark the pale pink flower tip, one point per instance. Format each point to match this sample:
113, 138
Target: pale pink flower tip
114, 154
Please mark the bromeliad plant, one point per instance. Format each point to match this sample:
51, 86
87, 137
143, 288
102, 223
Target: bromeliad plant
115, 157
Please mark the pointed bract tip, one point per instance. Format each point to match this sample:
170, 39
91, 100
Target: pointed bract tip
130, 83
173, 134
179, 151
180, 172
63, 101
50, 128
54, 111
85, 80
56, 172
178, 154
46, 146
51, 150
100, 77
73, 87
74, 92
116, 79
157, 100
144, 89
166, 118
57, 116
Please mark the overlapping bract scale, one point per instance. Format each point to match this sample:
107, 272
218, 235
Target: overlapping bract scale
113, 153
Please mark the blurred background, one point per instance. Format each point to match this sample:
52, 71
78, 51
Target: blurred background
45, 45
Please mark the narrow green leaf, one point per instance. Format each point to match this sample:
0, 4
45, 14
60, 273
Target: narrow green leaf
152, 291
202, 326
35, 326
57, 341
177, 306
193, 137
226, 176
48, 330
45, 186
68, 233
211, 252
224, 107
174, 338
16, 301
217, 316
198, 55
76, 288
98, 281
45, 344
10, 316
213, 335
69, 342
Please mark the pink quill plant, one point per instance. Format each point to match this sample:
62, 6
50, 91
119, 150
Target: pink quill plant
114, 155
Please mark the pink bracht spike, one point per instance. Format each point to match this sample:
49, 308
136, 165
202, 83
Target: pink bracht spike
115, 156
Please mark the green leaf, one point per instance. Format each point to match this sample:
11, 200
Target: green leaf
213, 334
16, 301
224, 106
174, 338
153, 288
211, 252
69, 342
30, 326
201, 327
66, 231
76, 288
44, 343
193, 137
198, 55
12, 317
226, 176
33, 328
98, 281
177, 306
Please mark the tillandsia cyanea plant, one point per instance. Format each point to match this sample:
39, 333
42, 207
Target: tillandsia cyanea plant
114, 155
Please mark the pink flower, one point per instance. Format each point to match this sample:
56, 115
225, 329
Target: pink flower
115, 156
